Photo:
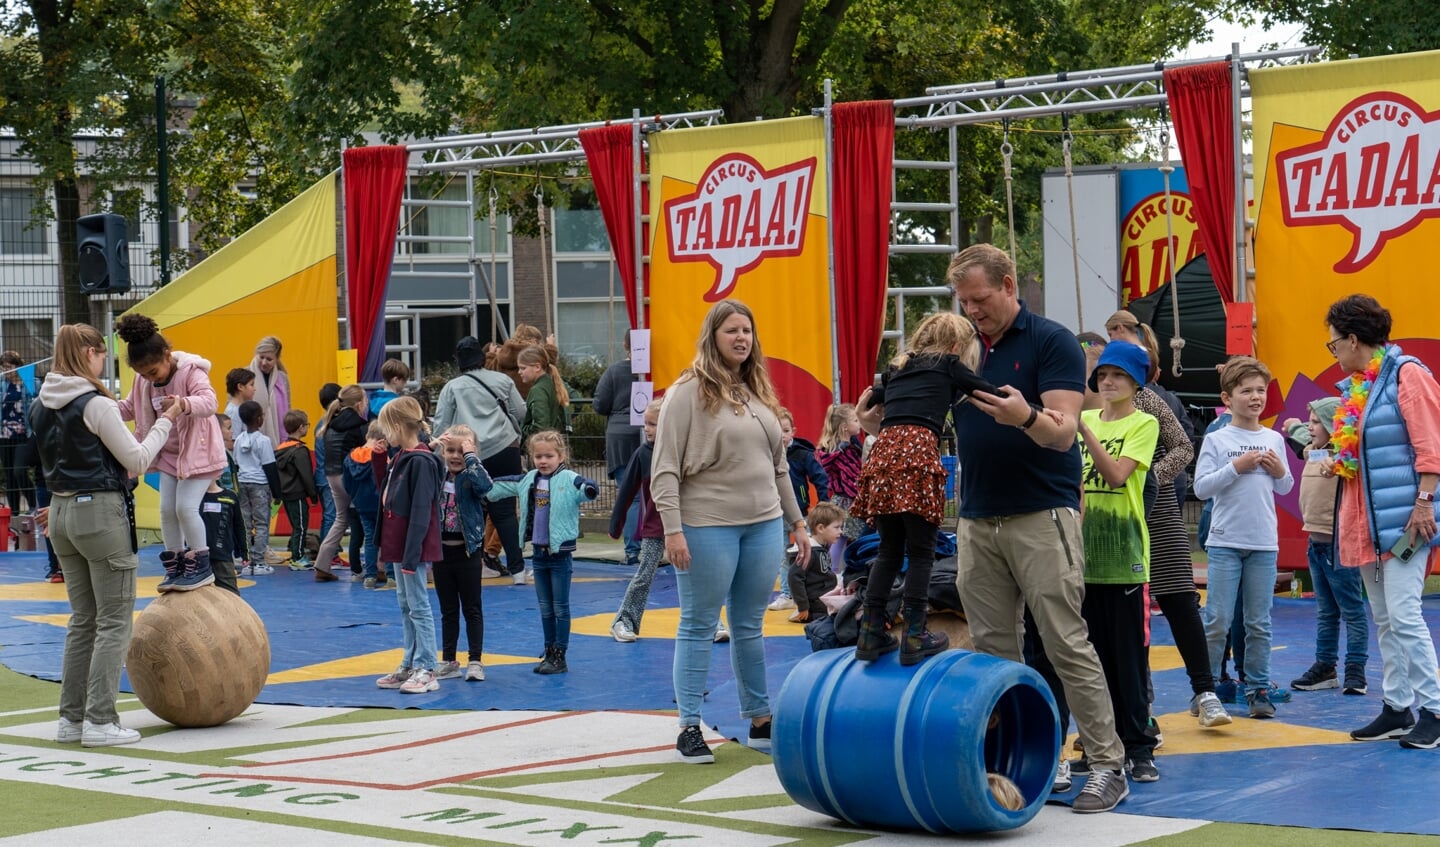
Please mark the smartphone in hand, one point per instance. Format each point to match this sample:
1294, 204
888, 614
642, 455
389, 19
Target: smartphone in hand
1409, 544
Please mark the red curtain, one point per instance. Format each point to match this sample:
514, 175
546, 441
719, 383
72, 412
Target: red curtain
374, 184
611, 156
1204, 118
864, 150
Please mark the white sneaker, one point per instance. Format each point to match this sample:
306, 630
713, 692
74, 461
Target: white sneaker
276, 557
68, 731
1062, 783
475, 672
781, 603
722, 635
106, 735
621, 632
420, 682
1209, 709
487, 572
448, 670
519, 577
259, 569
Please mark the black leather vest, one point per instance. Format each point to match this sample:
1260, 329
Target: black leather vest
71, 456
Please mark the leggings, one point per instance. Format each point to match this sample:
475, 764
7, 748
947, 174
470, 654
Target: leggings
902, 536
501, 513
180, 521
457, 585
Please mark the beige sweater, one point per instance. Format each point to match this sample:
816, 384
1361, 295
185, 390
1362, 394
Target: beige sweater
1317, 502
722, 469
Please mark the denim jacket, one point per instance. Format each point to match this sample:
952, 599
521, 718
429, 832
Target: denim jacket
471, 486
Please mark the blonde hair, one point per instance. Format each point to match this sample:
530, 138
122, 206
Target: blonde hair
70, 345
717, 385
1005, 792
785, 417
996, 263
375, 432
832, 434
548, 436
349, 396
461, 431
536, 355
939, 334
400, 417
825, 514
272, 344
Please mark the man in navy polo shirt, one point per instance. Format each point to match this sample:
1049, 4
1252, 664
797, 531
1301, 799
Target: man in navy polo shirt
1019, 532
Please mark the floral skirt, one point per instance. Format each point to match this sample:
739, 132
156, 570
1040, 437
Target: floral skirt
902, 475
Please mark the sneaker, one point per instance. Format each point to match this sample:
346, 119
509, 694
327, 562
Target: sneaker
518, 577
487, 572
369, 583
57, 576
722, 635
68, 731
1229, 691
1152, 729
1320, 677
692, 749
475, 672
194, 572
325, 576
298, 564
1209, 709
1277, 694
1103, 791
1425, 735
1392, 723
760, 736
621, 631
781, 603
794, 617
420, 682
448, 670
394, 679
106, 735
276, 557
1260, 706
1062, 783
1355, 680
1142, 770
1080, 766
384, 585
491, 563
259, 569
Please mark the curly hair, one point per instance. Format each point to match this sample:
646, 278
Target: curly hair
1362, 316
144, 343
717, 384
939, 334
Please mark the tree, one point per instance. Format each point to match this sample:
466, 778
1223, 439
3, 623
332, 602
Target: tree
1354, 27
72, 65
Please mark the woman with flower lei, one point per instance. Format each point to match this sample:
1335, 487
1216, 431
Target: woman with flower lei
1387, 443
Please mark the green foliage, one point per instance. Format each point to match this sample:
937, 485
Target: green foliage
582, 374
1358, 27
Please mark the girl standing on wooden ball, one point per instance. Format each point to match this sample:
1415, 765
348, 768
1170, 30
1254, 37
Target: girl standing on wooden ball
194, 454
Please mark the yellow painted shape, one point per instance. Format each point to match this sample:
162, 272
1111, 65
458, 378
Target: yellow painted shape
1184, 734
55, 592
369, 664
663, 623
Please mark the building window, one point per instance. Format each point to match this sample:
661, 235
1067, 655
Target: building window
592, 328
32, 338
421, 222
580, 231
20, 235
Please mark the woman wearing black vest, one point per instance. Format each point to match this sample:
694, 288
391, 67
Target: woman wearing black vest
87, 455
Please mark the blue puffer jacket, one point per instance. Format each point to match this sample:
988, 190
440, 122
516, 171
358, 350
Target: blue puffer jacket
1387, 461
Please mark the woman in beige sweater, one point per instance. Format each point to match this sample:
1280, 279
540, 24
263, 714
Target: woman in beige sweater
721, 484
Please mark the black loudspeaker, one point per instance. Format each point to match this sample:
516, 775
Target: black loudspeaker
104, 249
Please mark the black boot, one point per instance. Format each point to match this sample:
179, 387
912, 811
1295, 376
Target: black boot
195, 573
920, 643
875, 639
556, 662
171, 561
547, 662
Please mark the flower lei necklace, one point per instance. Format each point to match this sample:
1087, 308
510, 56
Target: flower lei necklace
1346, 433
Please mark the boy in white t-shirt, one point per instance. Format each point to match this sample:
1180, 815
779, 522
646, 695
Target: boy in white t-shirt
1241, 467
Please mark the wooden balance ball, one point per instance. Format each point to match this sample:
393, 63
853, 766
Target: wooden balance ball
198, 658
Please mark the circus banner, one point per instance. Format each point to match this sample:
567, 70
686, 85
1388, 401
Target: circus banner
276, 279
1147, 218
740, 214
1348, 168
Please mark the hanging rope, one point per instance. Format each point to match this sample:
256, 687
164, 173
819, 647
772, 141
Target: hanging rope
544, 241
1177, 341
1007, 151
491, 283
1066, 140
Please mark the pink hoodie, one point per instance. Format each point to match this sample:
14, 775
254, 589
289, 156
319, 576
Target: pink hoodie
195, 447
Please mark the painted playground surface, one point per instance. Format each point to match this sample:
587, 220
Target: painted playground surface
587, 757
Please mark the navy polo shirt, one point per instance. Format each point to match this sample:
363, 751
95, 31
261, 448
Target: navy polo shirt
1002, 471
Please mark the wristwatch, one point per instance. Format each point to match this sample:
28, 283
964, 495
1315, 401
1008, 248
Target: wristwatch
1427, 496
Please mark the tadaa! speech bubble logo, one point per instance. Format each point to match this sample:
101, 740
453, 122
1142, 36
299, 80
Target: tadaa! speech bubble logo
1376, 172
739, 215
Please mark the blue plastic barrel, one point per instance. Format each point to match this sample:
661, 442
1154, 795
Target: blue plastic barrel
881, 745
950, 463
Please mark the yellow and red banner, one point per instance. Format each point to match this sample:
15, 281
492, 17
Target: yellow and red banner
739, 213
1152, 219
278, 278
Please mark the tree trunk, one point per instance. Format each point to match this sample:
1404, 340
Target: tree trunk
74, 305
985, 229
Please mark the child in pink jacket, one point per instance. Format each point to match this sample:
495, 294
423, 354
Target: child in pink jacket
193, 455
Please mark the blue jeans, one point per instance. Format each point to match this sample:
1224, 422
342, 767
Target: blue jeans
327, 504
1256, 591
1406, 647
1338, 594
416, 617
732, 566
372, 549
552, 590
632, 528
